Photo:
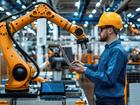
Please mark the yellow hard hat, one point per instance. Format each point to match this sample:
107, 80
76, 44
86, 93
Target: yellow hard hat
110, 18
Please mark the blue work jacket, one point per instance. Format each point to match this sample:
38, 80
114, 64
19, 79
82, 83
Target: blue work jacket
108, 75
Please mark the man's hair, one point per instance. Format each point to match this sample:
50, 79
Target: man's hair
116, 31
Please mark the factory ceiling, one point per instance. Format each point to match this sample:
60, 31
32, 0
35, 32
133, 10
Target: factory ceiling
80, 11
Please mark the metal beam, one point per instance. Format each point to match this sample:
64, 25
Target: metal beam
14, 5
136, 15
90, 20
53, 4
122, 6
134, 19
82, 9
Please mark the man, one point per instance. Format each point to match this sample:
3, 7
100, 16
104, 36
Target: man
108, 75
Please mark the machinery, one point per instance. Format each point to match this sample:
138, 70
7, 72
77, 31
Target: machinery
55, 58
133, 30
89, 58
21, 71
134, 56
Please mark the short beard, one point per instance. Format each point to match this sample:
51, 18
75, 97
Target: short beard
103, 39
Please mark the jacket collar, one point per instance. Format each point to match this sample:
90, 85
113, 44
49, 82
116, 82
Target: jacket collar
114, 43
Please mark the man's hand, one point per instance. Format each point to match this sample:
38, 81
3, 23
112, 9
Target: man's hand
77, 66
77, 62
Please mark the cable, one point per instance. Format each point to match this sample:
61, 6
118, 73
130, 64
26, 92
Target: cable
25, 10
26, 59
22, 51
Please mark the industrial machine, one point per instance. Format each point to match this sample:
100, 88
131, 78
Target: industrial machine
134, 56
133, 30
56, 57
21, 72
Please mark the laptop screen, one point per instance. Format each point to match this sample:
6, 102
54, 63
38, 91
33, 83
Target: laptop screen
53, 88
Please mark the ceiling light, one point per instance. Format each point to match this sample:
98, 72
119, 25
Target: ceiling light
94, 11
1, 9
77, 4
23, 6
26, 27
86, 22
138, 9
107, 9
133, 25
132, 16
138, 19
13, 17
90, 16
98, 4
126, 25
75, 14
129, 15
18, 1
130, 23
74, 22
8, 13
85, 25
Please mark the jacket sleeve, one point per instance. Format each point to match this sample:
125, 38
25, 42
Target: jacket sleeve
92, 67
114, 66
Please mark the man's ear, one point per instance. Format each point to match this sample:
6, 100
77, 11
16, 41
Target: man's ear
110, 30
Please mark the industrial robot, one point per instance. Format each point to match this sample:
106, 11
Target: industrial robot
21, 72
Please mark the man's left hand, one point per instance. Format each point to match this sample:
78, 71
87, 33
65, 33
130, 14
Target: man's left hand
77, 68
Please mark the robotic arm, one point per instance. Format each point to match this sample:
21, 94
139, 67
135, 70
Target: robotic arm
21, 72
134, 31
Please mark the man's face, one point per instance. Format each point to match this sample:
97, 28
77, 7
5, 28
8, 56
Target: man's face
103, 34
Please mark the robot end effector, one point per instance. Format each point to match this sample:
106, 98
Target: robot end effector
80, 35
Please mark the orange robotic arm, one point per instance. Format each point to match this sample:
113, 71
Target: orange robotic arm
133, 30
21, 72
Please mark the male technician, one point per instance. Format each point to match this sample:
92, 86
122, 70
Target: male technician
108, 75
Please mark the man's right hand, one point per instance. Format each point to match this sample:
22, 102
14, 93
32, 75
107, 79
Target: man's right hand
77, 66
76, 69
77, 62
